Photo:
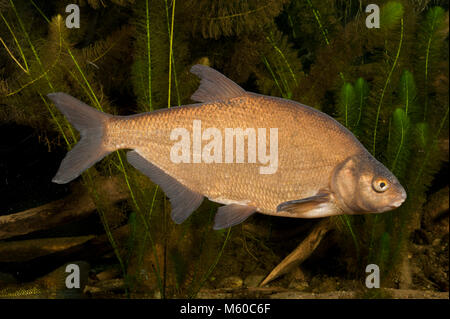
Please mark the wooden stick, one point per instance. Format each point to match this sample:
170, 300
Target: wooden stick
58, 212
301, 253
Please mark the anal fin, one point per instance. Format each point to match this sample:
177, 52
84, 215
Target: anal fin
231, 215
183, 200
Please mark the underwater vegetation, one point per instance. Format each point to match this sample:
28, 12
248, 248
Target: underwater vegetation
389, 86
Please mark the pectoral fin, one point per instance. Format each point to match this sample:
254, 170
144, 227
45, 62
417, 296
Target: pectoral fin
231, 215
319, 205
183, 201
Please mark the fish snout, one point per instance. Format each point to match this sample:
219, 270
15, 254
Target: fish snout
400, 200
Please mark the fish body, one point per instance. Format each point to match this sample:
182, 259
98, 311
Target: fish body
315, 167
305, 160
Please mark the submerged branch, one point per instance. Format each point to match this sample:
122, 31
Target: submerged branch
301, 253
58, 212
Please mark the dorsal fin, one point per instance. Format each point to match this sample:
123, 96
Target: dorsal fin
214, 86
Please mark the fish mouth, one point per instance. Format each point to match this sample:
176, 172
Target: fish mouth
400, 201
397, 204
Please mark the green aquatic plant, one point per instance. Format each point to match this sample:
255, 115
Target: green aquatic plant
391, 15
347, 106
281, 63
215, 19
431, 38
351, 102
361, 88
405, 128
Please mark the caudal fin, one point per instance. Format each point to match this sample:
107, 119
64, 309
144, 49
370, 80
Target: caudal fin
90, 149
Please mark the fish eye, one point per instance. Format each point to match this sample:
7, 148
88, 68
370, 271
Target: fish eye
380, 185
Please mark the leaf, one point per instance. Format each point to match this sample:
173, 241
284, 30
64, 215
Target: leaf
422, 132
408, 92
348, 113
361, 89
384, 251
229, 18
179, 266
398, 149
282, 64
390, 15
430, 48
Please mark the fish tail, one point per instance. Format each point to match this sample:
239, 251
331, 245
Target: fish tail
91, 125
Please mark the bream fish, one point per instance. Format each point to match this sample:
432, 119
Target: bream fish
315, 168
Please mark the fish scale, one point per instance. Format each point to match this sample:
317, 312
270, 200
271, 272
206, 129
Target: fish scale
321, 168
301, 172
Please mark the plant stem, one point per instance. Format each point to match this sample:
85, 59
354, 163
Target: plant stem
211, 268
170, 51
149, 61
384, 88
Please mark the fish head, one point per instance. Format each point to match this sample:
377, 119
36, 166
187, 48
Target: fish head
361, 184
